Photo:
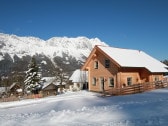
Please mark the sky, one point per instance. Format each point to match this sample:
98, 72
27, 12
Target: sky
132, 24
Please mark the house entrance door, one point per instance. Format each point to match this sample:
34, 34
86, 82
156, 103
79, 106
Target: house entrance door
101, 84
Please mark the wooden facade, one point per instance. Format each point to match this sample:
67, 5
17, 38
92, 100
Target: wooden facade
50, 89
104, 73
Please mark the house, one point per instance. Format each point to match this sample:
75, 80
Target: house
110, 67
79, 79
15, 89
49, 87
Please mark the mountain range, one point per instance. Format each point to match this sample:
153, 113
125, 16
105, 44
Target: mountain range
57, 52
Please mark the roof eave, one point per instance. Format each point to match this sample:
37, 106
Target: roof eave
84, 67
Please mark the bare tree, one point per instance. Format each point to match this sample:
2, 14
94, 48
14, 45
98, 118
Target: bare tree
19, 78
5, 83
61, 78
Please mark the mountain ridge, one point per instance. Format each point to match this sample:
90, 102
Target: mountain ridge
13, 44
62, 52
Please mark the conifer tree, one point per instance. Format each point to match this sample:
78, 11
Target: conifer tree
32, 81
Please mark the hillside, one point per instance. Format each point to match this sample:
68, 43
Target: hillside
63, 52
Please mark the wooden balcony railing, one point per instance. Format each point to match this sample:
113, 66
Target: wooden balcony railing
136, 88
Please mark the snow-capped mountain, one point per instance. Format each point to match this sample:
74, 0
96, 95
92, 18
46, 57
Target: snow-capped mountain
57, 51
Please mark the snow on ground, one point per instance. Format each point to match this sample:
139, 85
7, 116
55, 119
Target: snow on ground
88, 109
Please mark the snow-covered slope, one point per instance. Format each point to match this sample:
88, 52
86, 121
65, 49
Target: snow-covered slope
88, 109
64, 52
56, 46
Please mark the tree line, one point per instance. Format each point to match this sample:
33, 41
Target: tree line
165, 62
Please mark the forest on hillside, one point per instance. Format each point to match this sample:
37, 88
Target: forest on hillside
165, 62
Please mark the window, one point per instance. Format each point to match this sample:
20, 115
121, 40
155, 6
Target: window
129, 81
107, 63
96, 64
94, 81
111, 82
156, 78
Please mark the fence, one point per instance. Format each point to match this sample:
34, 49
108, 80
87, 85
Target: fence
136, 88
18, 98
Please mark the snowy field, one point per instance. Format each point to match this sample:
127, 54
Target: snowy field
88, 109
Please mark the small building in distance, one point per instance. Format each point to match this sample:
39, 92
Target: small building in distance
49, 86
15, 89
79, 79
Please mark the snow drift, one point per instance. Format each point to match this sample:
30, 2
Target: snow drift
89, 109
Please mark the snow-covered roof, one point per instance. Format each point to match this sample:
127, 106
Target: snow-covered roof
2, 89
79, 76
134, 58
13, 85
165, 76
47, 81
50, 80
19, 90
